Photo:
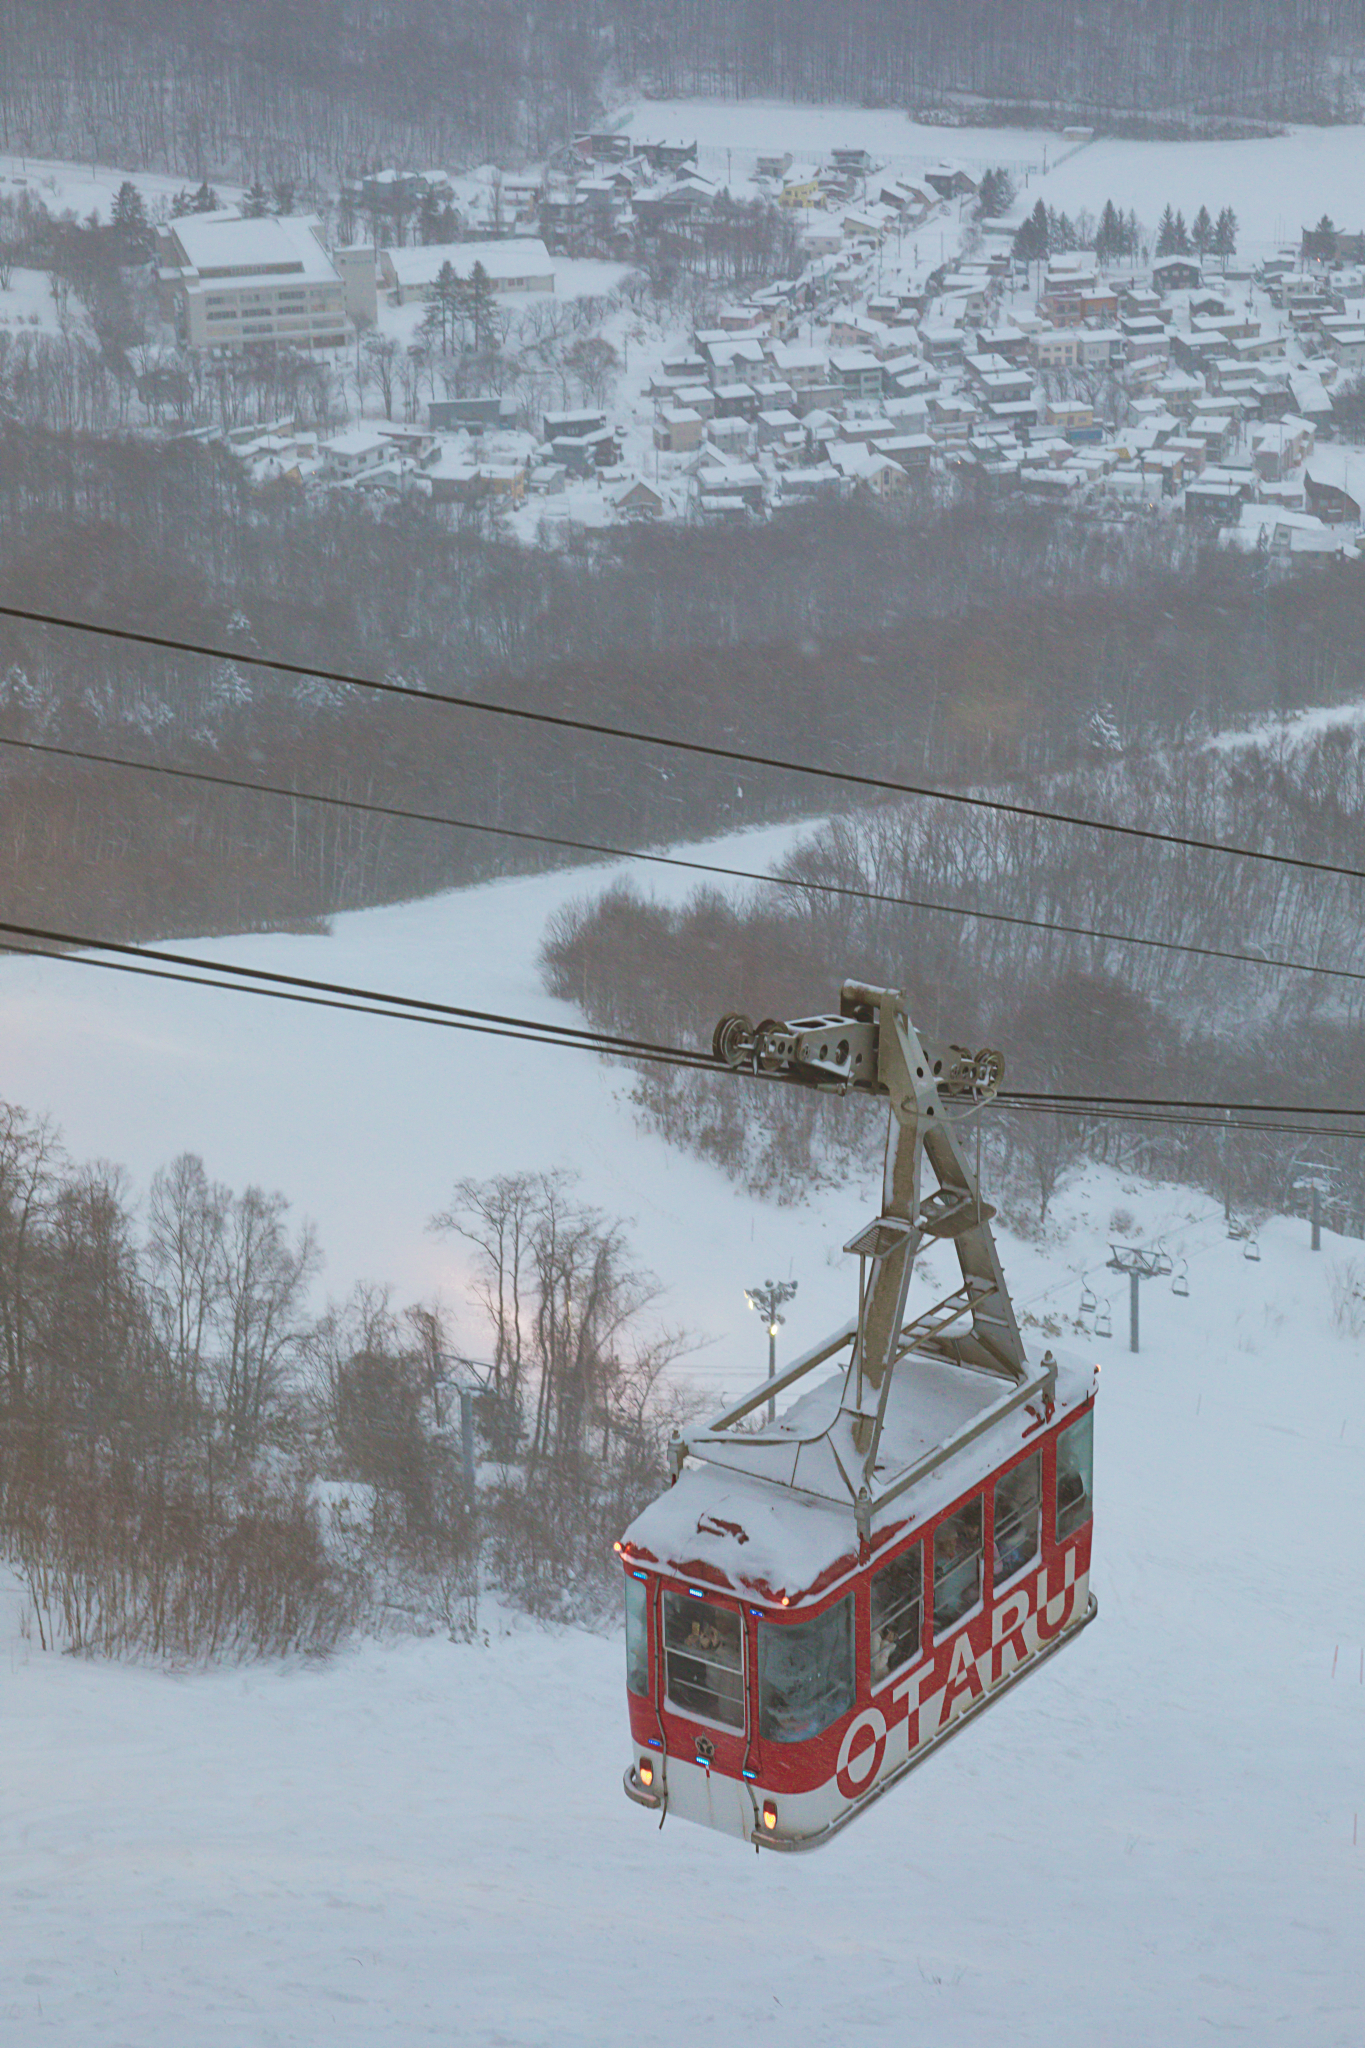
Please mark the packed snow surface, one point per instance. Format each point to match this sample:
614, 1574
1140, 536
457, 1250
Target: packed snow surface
1157, 1839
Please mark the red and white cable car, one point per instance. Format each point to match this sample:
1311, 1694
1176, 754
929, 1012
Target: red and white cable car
819, 1601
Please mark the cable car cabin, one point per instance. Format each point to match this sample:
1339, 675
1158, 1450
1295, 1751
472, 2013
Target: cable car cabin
822, 1599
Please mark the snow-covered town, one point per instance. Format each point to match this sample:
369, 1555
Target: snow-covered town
859, 318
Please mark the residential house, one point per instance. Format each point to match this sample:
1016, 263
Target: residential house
678, 429
1334, 485
1281, 446
354, 449
1055, 348
857, 371
638, 500
876, 473
1177, 274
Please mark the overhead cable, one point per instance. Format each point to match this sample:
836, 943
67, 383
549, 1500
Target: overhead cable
741, 757
368, 808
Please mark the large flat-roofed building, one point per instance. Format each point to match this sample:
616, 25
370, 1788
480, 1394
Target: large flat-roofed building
520, 265
232, 284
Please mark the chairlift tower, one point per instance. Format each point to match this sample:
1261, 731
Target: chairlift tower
1139, 1262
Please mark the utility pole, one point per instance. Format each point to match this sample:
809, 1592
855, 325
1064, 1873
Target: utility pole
768, 1300
1139, 1265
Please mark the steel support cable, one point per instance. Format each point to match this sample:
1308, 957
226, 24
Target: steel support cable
600, 729
200, 967
163, 964
367, 807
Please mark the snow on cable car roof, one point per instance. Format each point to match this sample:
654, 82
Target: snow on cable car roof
773, 1520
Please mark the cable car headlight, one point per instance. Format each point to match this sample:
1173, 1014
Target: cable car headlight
769, 1814
646, 1772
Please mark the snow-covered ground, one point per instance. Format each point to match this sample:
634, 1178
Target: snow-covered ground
1158, 1838
85, 188
366, 1124
1276, 184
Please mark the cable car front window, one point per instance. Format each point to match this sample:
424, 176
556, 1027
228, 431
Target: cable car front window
1075, 1474
704, 1660
637, 1637
1018, 1505
805, 1674
897, 1611
957, 1566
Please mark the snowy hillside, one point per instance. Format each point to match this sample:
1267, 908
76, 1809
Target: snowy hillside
1157, 1837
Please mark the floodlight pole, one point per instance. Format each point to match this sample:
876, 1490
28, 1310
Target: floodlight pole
768, 1300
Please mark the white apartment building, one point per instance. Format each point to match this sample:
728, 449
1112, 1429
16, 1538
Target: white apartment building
231, 283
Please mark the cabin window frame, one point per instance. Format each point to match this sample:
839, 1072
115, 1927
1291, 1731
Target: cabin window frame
894, 1671
941, 1631
1084, 1422
714, 1608
768, 1628
637, 1638
1007, 1579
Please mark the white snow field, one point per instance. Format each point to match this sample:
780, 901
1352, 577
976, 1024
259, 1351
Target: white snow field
1157, 1840
1276, 184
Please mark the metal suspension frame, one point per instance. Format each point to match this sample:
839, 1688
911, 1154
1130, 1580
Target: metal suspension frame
872, 1047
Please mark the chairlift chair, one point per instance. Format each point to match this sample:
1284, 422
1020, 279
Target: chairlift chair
1181, 1283
1252, 1248
1104, 1322
1089, 1303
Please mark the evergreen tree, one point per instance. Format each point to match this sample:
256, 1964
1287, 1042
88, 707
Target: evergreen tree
256, 205
1201, 234
205, 199
1109, 236
1132, 247
129, 225
482, 307
1319, 243
283, 190
448, 304
1166, 242
1182, 236
1225, 234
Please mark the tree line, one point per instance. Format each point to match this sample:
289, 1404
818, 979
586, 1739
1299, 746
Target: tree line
309, 92
1071, 1014
968, 638
196, 1462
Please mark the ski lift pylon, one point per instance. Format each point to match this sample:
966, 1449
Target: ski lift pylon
803, 1603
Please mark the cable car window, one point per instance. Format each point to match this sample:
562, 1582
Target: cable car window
704, 1659
1018, 1505
1075, 1474
805, 1674
637, 1637
957, 1565
897, 1610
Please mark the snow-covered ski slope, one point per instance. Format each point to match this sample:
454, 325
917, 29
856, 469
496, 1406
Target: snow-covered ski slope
1149, 1842
1158, 1839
